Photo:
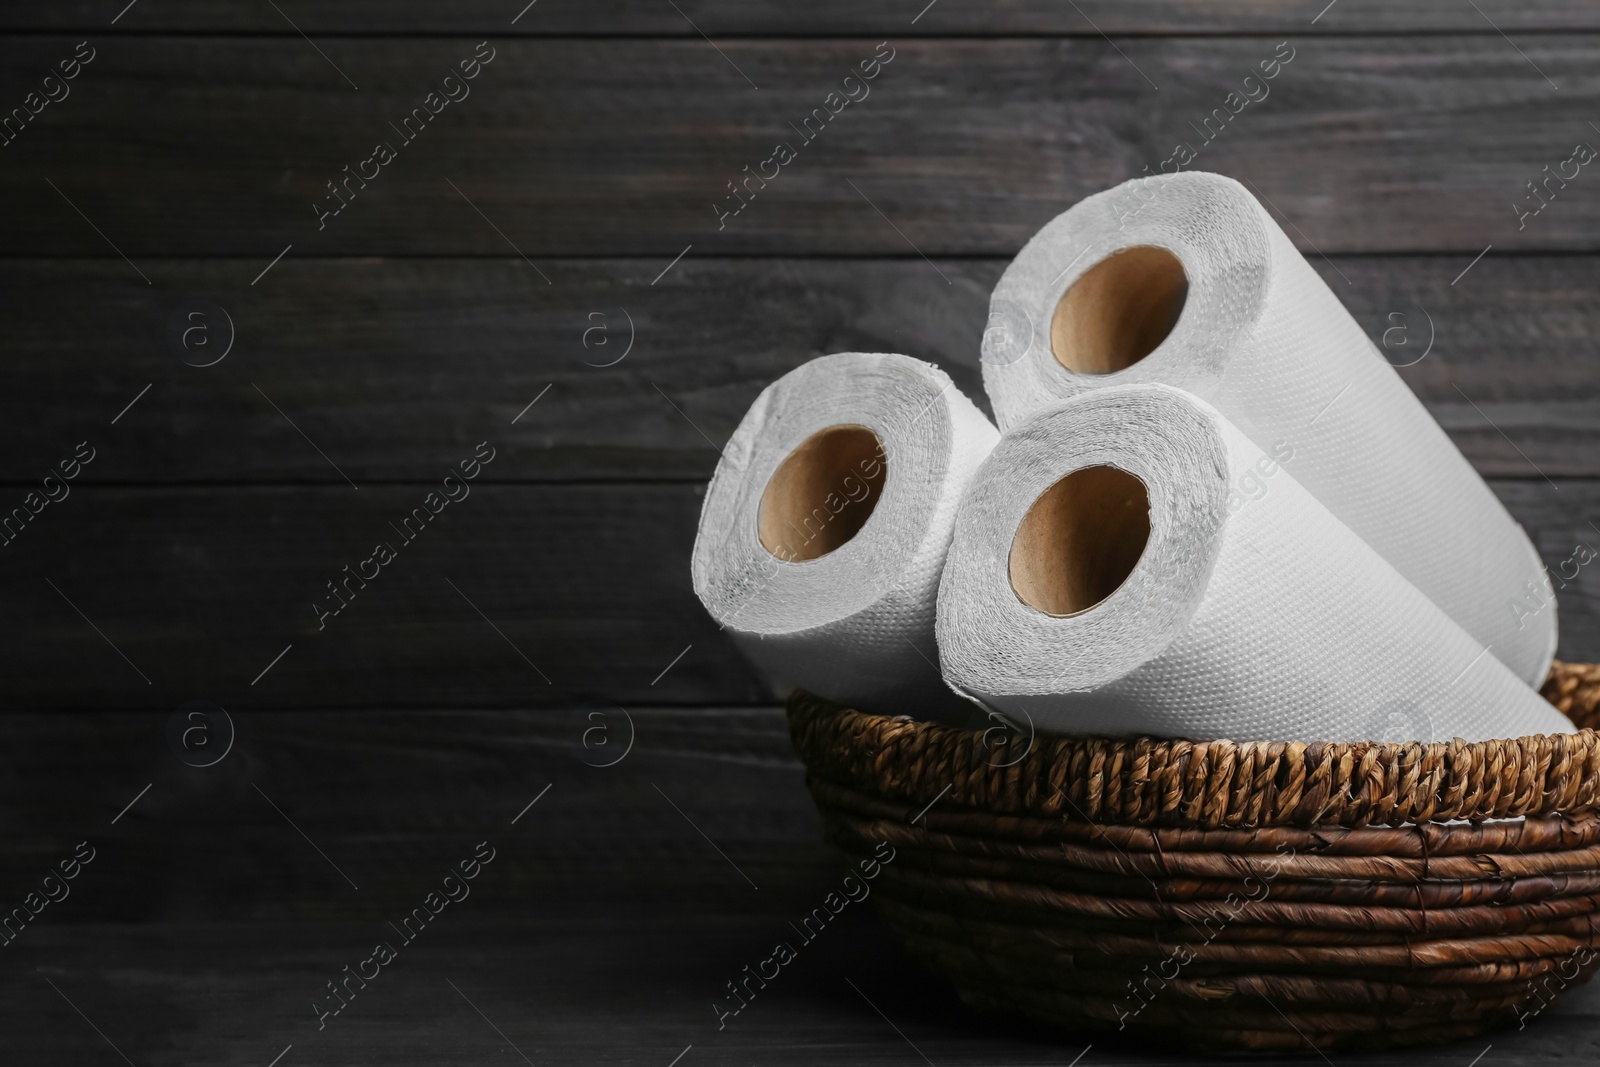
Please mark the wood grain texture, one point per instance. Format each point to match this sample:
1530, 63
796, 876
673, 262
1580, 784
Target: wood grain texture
837, 17
418, 722
556, 943
393, 367
586, 585
569, 987
394, 800
201, 588
602, 931
396, 367
591, 147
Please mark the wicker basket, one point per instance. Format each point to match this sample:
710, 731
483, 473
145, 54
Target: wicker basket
1280, 897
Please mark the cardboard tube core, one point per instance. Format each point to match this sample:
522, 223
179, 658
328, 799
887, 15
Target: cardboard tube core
1080, 540
822, 493
1119, 310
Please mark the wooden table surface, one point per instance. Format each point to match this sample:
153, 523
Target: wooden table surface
614, 910
549, 267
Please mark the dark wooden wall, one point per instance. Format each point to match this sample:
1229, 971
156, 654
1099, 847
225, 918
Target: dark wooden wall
569, 198
459, 284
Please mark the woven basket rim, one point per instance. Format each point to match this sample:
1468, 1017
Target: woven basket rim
1213, 784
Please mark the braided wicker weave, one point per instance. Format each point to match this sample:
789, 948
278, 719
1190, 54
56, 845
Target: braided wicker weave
1262, 896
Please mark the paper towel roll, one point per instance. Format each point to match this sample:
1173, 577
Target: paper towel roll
826, 524
1128, 562
1185, 279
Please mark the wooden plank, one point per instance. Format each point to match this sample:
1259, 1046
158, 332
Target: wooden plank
393, 367
615, 18
202, 589
571, 986
396, 799
584, 147
601, 931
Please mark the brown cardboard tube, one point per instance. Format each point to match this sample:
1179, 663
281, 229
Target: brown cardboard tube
1080, 540
822, 493
1118, 310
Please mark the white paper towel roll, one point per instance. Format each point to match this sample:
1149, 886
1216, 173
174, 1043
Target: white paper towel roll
826, 524
1128, 562
1186, 280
